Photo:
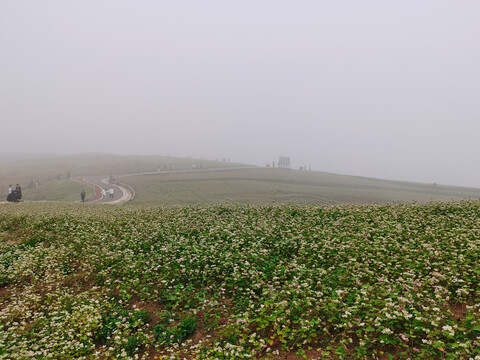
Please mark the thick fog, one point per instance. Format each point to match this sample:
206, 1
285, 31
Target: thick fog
387, 89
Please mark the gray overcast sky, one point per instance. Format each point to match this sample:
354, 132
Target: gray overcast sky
378, 88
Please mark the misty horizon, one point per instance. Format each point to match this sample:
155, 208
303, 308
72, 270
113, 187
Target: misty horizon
377, 89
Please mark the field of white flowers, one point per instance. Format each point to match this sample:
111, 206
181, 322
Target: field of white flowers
232, 282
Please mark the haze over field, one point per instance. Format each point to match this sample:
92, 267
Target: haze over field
373, 88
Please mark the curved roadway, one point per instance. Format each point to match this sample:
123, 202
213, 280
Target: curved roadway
121, 193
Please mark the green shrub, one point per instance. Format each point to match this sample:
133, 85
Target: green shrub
133, 345
175, 334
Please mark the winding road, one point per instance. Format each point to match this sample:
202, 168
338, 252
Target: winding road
122, 193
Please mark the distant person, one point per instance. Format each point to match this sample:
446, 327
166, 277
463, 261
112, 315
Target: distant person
82, 195
15, 195
10, 196
104, 193
111, 191
18, 191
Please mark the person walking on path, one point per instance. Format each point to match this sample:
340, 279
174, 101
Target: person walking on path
111, 191
104, 194
82, 195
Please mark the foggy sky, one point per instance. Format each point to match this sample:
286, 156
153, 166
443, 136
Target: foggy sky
376, 88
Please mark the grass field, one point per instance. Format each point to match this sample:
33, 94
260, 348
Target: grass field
232, 282
266, 186
213, 182
52, 172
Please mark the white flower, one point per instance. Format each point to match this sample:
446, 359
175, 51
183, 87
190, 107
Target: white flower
449, 330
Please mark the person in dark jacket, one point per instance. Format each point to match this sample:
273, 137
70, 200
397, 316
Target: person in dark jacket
14, 195
18, 191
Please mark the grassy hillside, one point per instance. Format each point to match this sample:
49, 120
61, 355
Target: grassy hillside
240, 282
58, 190
195, 183
262, 185
52, 172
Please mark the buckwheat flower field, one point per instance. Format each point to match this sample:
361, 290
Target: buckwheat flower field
234, 282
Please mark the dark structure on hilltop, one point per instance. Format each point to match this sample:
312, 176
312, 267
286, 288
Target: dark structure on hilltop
284, 162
